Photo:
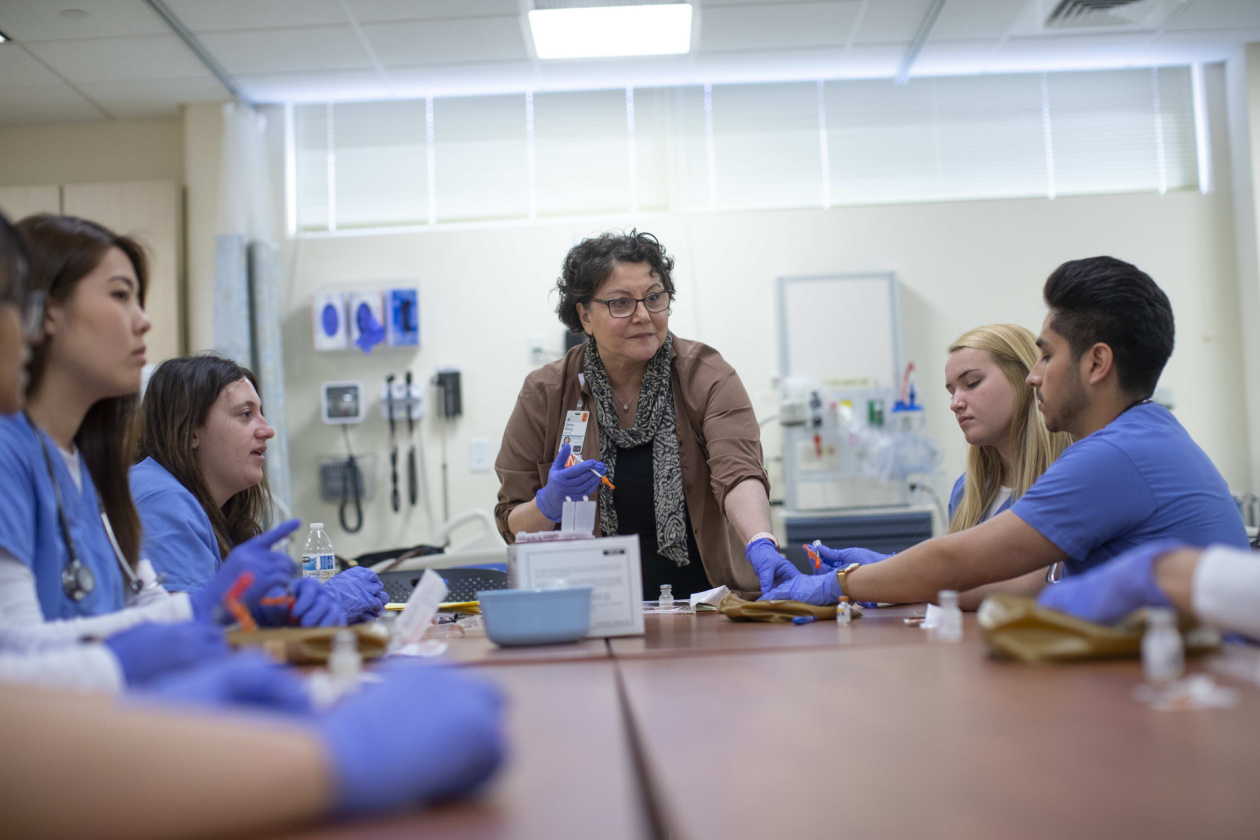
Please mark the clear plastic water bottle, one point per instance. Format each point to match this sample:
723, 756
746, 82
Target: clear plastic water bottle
1163, 654
318, 560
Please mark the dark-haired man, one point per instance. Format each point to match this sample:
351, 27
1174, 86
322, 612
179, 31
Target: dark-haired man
1133, 476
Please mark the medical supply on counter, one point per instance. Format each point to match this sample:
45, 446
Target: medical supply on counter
311, 645
666, 601
345, 662
775, 612
536, 616
578, 516
415, 619
1163, 654
949, 621
708, 600
844, 612
318, 559
611, 565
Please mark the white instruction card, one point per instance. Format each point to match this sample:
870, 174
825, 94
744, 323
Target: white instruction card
609, 564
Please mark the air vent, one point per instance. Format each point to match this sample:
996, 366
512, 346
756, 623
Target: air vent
1085, 14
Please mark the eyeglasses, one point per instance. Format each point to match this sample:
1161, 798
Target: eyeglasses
33, 317
624, 307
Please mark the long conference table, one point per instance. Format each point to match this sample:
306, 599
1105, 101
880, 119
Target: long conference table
705, 727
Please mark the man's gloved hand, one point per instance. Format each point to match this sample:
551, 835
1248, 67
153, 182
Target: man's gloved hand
360, 593
148, 651
447, 743
772, 567
839, 558
575, 482
269, 568
820, 590
245, 679
1107, 593
314, 605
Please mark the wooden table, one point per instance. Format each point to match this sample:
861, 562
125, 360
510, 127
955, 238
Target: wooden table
669, 635
569, 770
934, 740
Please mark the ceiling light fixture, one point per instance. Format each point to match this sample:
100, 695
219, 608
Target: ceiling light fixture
611, 31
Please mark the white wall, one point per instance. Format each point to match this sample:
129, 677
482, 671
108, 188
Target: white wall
961, 264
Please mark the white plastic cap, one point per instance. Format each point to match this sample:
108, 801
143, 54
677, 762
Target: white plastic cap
947, 598
317, 526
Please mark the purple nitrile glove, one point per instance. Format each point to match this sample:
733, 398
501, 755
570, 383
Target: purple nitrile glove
820, 590
1107, 593
148, 651
269, 568
772, 567
315, 605
575, 482
447, 743
360, 593
245, 679
839, 558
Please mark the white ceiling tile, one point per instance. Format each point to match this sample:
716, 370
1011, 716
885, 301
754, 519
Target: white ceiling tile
1219, 14
287, 50
975, 19
1073, 51
466, 79
19, 69
439, 41
230, 15
41, 20
324, 86
154, 97
892, 21
376, 11
120, 59
776, 26
46, 103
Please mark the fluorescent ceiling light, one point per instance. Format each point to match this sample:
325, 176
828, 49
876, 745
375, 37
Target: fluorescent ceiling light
610, 31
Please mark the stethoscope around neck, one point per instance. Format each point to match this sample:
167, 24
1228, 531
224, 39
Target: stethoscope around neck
77, 580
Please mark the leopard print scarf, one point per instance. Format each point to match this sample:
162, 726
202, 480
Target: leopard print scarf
653, 422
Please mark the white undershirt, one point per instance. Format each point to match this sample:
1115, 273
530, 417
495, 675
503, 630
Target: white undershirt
1003, 494
74, 464
1227, 590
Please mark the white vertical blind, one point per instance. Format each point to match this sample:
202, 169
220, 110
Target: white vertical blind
481, 169
580, 152
766, 143
382, 170
701, 148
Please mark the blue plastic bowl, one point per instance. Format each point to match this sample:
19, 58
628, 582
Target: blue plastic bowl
536, 616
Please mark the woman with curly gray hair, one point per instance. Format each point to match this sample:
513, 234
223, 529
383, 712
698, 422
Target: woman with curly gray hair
666, 419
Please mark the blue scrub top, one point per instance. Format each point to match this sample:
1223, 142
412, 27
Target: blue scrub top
1139, 479
29, 529
178, 538
955, 496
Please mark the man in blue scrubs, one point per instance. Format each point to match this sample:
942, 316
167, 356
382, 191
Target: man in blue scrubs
1133, 476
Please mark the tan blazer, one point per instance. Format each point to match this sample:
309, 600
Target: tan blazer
719, 445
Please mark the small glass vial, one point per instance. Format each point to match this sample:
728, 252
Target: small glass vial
844, 612
1163, 655
667, 597
949, 627
345, 662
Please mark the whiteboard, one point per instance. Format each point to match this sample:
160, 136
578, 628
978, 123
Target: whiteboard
841, 329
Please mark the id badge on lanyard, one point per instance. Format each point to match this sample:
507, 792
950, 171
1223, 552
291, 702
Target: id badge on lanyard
574, 431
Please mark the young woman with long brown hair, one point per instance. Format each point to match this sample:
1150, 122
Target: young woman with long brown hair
200, 485
69, 532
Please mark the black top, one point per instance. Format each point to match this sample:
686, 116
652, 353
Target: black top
636, 514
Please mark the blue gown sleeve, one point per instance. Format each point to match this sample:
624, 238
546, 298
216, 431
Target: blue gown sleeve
955, 496
18, 525
1091, 495
178, 540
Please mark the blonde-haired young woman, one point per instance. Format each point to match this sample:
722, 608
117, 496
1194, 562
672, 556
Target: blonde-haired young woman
1009, 446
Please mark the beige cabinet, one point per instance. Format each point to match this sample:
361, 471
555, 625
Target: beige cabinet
152, 213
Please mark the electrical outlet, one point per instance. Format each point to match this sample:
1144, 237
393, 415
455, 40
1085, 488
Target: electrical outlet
479, 455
